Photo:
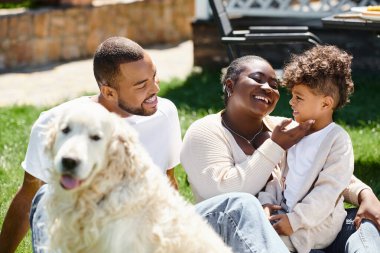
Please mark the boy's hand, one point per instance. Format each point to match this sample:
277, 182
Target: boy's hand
282, 225
270, 208
286, 138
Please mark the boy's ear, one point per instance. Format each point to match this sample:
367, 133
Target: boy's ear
108, 92
328, 102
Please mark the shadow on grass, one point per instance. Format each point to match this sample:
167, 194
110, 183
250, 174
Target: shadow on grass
369, 172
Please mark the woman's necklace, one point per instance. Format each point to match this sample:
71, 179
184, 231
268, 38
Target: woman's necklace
249, 141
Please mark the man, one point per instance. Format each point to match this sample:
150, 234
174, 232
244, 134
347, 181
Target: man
128, 83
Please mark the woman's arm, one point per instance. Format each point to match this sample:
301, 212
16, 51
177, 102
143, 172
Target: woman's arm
360, 194
352, 192
369, 208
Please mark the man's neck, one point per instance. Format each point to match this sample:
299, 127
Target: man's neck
110, 106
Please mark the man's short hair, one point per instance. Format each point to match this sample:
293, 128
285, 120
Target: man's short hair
110, 54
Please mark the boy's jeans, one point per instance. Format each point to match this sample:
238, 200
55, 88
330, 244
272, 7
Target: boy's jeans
240, 221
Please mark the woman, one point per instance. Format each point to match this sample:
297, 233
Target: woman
237, 149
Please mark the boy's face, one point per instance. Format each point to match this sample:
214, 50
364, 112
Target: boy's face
306, 104
138, 87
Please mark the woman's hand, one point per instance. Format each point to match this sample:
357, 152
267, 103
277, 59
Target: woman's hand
369, 208
286, 138
282, 225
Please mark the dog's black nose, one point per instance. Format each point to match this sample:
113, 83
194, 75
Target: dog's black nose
69, 163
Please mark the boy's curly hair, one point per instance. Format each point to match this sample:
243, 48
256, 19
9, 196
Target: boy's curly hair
325, 69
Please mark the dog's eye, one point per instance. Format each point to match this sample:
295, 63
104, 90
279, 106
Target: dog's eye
66, 130
95, 137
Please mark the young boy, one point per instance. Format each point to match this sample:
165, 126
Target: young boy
303, 201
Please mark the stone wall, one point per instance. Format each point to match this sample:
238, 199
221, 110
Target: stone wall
40, 36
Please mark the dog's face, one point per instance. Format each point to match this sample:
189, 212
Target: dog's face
79, 144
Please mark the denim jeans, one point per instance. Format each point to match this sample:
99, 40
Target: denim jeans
365, 239
37, 222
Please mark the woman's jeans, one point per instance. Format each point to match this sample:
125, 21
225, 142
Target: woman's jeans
239, 219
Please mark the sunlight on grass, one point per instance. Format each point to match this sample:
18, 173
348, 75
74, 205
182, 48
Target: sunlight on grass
15, 125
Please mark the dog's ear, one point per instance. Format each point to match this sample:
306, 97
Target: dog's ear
50, 134
121, 151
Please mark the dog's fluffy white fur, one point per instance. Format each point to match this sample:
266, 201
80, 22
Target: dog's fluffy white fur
106, 195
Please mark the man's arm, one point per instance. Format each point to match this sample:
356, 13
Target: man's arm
16, 222
172, 179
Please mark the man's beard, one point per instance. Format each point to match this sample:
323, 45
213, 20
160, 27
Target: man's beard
134, 110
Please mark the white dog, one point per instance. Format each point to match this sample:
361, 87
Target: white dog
106, 195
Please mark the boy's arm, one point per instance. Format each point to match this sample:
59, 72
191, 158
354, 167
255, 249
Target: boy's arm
272, 192
332, 180
271, 197
16, 222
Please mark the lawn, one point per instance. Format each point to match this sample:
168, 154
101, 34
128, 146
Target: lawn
198, 95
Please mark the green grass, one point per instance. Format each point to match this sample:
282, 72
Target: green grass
198, 95
15, 124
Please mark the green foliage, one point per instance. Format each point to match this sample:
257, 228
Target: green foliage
17, 4
32, 4
195, 97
